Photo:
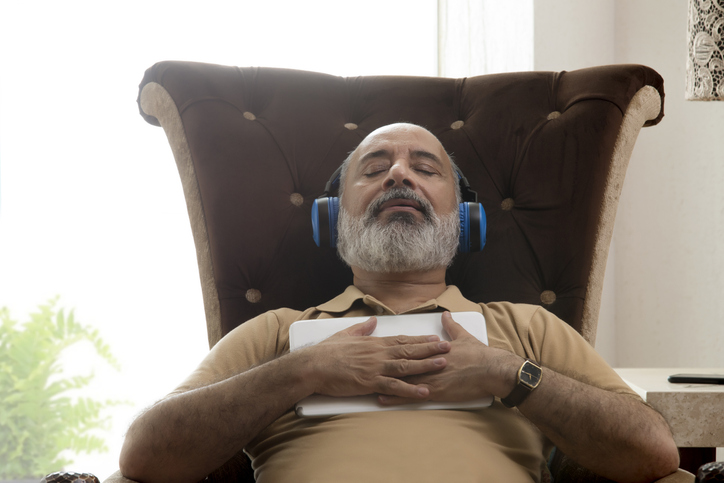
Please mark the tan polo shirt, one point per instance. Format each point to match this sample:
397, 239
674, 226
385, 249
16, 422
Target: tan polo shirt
494, 444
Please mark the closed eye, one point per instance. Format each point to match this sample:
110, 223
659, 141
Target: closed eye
372, 174
426, 169
375, 169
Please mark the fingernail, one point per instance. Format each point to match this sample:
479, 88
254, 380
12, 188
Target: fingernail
439, 361
433, 338
423, 391
444, 345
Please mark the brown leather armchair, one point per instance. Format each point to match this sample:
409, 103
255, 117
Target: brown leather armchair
546, 152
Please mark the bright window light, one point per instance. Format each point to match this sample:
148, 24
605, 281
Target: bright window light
91, 206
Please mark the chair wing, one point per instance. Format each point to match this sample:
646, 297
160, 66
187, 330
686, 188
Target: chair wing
545, 151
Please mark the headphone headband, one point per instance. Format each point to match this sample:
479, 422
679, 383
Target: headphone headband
334, 179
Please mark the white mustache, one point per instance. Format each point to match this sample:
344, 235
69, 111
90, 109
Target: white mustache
399, 193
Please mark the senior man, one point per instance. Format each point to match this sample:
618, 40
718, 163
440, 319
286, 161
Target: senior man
398, 231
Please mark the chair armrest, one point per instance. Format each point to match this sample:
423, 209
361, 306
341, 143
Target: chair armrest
566, 470
69, 477
117, 477
681, 476
710, 472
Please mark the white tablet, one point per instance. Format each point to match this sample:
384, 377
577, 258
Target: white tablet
304, 333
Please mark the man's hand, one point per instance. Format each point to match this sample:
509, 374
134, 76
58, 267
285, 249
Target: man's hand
473, 370
350, 363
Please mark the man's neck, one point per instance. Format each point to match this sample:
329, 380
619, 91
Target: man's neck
401, 291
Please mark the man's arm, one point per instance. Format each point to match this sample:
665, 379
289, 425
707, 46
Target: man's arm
186, 436
615, 435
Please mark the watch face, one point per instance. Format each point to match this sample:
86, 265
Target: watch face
530, 375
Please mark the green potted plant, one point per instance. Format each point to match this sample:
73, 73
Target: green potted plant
39, 415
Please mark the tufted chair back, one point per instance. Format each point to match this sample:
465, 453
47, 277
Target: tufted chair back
546, 153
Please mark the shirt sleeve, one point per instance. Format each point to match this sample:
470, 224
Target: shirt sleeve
533, 332
254, 342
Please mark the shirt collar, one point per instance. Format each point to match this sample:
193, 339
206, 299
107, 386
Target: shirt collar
451, 299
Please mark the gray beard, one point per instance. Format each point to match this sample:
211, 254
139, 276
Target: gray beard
404, 243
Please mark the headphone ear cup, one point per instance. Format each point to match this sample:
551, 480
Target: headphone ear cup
324, 221
473, 227
473, 224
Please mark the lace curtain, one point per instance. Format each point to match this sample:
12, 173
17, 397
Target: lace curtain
705, 65
478, 37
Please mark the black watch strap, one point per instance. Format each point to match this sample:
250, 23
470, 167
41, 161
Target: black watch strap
529, 376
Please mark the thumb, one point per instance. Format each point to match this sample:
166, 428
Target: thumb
363, 328
453, 329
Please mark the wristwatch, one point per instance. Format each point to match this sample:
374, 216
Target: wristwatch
529, 376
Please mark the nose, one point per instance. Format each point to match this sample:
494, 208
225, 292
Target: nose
399, 174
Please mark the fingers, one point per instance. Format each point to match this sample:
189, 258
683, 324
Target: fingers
408, 339
453, 329
367, 327
406, 367
397, 389
419, 351
363, 328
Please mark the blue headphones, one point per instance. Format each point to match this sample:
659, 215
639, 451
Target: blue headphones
473, 224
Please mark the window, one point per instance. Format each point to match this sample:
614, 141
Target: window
91, 207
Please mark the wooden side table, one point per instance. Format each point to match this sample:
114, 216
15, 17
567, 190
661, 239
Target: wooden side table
695, 412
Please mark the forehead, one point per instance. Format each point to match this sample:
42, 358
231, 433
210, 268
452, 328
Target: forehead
400, 138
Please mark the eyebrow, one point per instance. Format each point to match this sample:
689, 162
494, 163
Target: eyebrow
415, 154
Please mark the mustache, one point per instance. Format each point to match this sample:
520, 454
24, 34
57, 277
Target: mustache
400, 193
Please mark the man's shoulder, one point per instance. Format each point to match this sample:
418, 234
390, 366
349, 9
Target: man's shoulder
514, 312
280, 317
522, 319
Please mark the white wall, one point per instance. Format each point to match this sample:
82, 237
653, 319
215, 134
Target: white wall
664, 292
670, 229
569, 35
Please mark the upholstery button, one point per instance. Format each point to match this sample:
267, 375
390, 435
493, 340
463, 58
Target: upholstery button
253, 295
507, 204
554, 115
296, 199
457, 124
351, 126
548, 297
248, 115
